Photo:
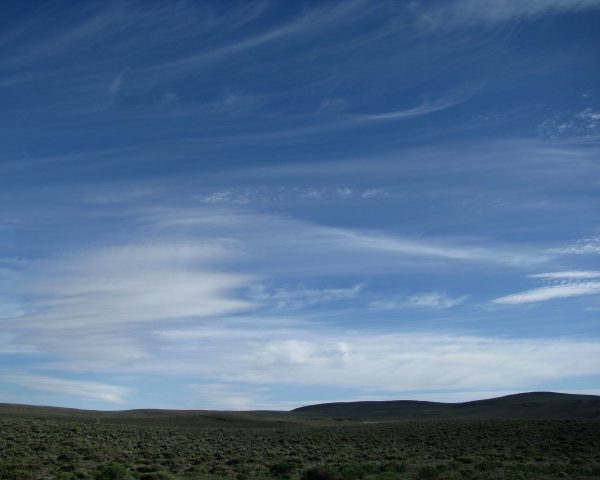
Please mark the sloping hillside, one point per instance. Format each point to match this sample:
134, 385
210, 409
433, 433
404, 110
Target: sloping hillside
153, 417
534, 405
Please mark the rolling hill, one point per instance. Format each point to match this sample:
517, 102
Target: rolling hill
533, 405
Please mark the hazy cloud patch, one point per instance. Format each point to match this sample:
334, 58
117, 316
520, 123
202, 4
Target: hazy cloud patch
75, 388
433, 300
288, 298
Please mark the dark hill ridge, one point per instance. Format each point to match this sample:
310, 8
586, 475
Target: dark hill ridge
533, 405
153, 417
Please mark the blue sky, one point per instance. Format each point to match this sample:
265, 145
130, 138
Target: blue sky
266, 204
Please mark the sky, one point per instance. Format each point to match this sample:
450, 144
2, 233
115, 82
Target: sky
267, 204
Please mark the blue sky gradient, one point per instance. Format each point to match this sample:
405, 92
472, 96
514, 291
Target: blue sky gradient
266, 204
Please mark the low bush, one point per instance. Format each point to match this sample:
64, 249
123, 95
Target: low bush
318, 473
115, 471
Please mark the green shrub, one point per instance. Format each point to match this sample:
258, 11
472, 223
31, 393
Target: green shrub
115, 471
282, 469
156, 476
394, 467
66, 476
428, 473
317, 473
21, 475
355, 471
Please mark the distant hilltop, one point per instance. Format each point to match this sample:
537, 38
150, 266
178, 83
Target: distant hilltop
527, 406
532, 405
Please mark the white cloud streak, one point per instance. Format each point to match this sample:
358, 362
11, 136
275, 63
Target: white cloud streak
585, 246
464, 13
568, 275
349, 121
74, 388
309, 21
115, 84
427, 248
270, 236
287, 298
125, 285
432, 300
107, 23
543, 294
275, 195
423, 109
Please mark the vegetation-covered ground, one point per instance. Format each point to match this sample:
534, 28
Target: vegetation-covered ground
48, 448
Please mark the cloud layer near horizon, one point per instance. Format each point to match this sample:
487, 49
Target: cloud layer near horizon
391, 364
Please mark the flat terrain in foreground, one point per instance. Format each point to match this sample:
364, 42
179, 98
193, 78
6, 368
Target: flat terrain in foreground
38, 443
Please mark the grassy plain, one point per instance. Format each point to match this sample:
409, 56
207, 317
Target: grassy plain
38, 443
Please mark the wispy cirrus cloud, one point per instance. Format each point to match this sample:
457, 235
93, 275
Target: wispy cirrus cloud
289, 194
277, 232
464, 13
127, 284
115, 85
426, 248
8, 345
309, 21
429, 300
348, 121
584, 246
584, 124
294, 298
74, 388
152, 24
423, 109
551, 292
497, 159
567, 275
100, 346
561, 284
